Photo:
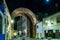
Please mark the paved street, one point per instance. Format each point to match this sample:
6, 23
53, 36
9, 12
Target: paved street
19, 38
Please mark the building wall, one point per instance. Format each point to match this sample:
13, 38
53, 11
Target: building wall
51, 23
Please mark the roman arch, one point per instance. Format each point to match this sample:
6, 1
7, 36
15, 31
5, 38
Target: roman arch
30, 15
8, 24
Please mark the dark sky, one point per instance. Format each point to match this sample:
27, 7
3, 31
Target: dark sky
37, 6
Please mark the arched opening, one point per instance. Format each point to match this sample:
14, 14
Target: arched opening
24, 25
24, 12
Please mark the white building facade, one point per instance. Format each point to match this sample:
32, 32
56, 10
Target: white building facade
51, 25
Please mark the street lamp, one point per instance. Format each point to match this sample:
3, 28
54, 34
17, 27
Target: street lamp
47, 1
12, 21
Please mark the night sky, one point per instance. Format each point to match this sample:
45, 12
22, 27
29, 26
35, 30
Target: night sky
37, 6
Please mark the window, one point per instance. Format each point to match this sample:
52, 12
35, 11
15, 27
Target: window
58, 19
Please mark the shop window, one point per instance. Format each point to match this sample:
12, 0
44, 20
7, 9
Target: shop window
58, 19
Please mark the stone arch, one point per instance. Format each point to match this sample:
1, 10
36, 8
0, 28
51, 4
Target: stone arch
29, 14
8, 26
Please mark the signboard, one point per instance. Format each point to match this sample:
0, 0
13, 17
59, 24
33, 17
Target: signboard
2, 36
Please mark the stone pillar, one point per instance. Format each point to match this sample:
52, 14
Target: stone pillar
34, 31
